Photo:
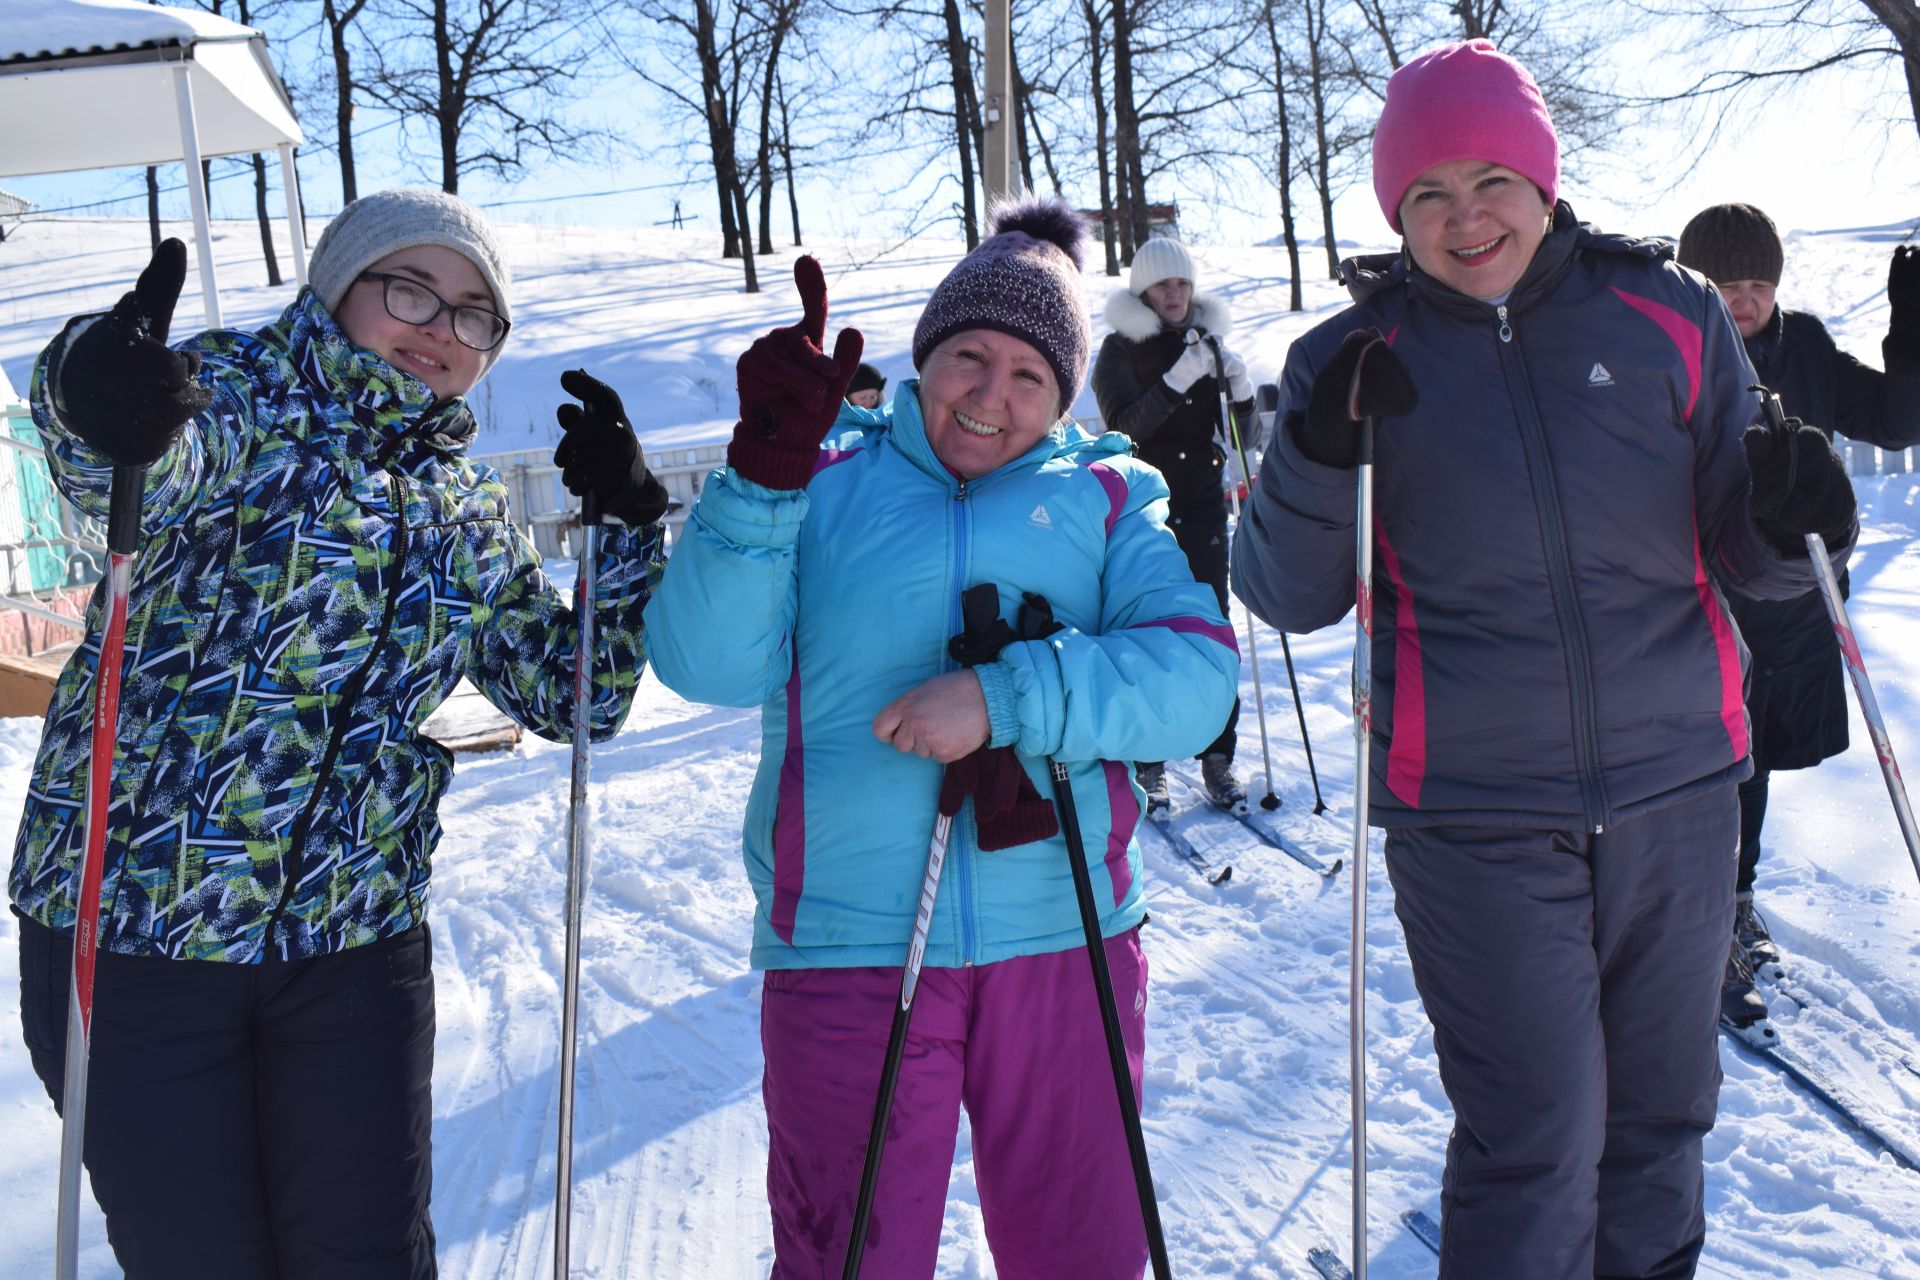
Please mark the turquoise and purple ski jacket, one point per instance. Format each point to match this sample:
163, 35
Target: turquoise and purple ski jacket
823, 605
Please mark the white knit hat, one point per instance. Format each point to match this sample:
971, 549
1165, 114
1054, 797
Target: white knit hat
1159, 259
377, 225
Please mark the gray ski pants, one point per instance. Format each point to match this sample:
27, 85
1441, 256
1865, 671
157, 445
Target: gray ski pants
1573, 983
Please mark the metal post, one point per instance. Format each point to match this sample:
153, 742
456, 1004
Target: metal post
998, 104
197, 193
296, 225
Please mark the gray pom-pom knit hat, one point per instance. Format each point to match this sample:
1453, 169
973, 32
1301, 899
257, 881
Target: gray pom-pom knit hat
374, 226
1023, 280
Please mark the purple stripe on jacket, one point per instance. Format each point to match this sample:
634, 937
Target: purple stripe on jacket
1219, 631
1116, 488
790, 817
1123, 815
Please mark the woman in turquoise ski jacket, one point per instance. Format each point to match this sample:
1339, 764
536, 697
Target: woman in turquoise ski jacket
320, 562
824, 586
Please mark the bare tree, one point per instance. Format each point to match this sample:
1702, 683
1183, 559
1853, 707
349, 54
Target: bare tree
778, 22
488, 76
1097, 47
1283, 166
339, 18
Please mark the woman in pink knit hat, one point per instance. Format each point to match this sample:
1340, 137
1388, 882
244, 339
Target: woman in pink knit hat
1565, 485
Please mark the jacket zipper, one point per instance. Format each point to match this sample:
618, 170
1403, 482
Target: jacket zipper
1560, 575
343, 716
963, 864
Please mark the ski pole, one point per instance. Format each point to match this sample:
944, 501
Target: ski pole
123, 536
1270, 800
1362, 766
583, 585
1850, 650
1110, 1018
1231, 430
896, 1046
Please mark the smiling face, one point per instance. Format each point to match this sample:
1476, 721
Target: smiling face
1170, 299
1474, 226
1750, 301
428, 351
987, 397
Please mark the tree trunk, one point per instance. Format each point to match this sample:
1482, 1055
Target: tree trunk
1902, 19
1316, 12
1018, 117
448, 105
764, 164
1294, 301
337, 23
746, 259
266, 223
153, 205
1096, 57
733, 234
1126, 137
786, 159
960, 69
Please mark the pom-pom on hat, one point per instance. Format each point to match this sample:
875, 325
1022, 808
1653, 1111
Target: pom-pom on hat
1022, 280
1731, 242
1159, 259
374, 226
1466, 101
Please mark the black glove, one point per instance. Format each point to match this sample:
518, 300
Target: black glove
1903, 304
599, 453
1800, 486
1364, 377
117, 385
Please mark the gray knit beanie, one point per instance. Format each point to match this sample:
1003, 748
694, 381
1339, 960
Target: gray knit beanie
1023, 280
1732, 242
374, 226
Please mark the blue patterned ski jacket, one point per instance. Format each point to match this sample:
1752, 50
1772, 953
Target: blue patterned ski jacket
320, 563
823, 605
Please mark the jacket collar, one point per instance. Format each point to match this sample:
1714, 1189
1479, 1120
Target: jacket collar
909, 435
1130, 316
388, 405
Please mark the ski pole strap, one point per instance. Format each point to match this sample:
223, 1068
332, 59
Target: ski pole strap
1782, 428
984, 634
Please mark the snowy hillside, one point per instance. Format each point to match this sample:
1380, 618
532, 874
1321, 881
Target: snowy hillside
1246, 1102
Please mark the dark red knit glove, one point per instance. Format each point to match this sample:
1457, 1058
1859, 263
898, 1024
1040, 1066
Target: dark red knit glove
790, 390
1007, 808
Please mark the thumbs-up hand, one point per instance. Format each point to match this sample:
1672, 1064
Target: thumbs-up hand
117, 385
790, 390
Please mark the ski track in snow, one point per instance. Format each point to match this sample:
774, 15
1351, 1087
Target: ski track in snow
1246, 1078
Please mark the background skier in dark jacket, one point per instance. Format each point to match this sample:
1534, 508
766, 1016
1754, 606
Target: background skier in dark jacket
320, 563
1158, 388
1557, 720
1796, 692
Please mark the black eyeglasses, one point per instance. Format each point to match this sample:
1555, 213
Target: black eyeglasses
410, 302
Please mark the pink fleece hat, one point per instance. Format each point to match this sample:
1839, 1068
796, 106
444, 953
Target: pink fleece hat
1467, 101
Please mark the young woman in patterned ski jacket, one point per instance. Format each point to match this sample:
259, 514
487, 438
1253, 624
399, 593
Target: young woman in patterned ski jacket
319, 563
1562, 494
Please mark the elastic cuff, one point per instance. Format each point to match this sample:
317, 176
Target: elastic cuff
767, 464
1003, 703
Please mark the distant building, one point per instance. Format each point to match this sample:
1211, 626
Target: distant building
1162, 219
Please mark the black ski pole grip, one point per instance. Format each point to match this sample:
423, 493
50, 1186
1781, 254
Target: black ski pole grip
123, 509
590, 508
1776, 416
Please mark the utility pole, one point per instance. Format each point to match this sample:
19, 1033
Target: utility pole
998, 104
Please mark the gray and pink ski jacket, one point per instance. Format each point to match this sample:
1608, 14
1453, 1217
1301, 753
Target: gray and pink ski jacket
1553, 528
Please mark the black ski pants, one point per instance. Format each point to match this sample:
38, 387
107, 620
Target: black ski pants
1202, 534
267, 1121
1573, 983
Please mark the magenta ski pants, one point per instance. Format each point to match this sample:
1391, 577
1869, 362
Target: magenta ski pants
1573, 983
1019, 1044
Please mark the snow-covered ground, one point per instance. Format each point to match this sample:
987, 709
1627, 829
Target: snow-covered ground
1246, 1102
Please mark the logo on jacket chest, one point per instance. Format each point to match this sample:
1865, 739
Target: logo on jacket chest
1599, 377
1040, 519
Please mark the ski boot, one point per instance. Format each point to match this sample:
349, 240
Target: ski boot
1223, 789
1763, 954
1740, 1005
1153, 781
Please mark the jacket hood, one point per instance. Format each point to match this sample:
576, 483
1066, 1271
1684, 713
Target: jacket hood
1135, 321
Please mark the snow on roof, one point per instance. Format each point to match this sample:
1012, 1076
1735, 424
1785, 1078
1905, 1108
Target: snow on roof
34, 30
